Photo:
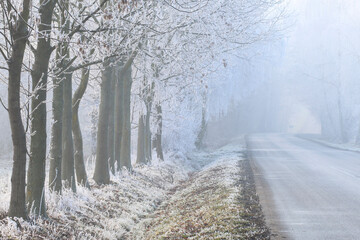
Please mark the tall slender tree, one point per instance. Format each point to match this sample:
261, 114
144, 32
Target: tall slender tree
125, 154
119, 114
81, 175
111, 133
39, 74
101, 173
68, 170
19, 36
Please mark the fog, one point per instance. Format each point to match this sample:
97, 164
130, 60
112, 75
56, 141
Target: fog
306, 80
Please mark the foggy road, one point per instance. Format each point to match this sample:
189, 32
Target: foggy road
307, 190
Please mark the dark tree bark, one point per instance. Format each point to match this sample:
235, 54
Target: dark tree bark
141, 141
201, 134
125, 155
67, 166
19, 37
81, 175
149, 96
111, 134
101, 174
56, 147
158, 135
119, 112
55, 183
148, 133
36, 172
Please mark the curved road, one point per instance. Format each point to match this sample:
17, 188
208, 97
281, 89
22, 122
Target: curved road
307, 190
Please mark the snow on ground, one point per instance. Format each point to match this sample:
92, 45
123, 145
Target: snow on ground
185, 197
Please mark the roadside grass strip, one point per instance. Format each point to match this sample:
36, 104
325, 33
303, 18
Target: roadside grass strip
218, 202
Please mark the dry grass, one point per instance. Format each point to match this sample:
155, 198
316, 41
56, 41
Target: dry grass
218, 202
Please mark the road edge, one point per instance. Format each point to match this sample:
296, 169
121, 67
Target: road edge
264, 196
329, 144
249, 198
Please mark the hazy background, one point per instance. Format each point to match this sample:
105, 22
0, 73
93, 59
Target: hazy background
306, 82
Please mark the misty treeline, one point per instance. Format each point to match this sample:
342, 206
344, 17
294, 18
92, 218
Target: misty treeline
321, 61
306, 83
149, 64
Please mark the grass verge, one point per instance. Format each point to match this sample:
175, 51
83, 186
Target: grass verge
218, 202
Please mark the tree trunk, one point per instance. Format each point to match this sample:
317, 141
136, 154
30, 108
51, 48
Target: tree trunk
36, 172
200, 137
125, 155
55, 183
149, 96
19, 36
158, 136
67, 167
56, 137
148, 133
94, 115
141, 142
81, 175
119, 112
101, 174
56, 147
111, 134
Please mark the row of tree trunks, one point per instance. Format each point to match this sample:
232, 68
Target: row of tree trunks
66, 135
144, 137
19, 36
145, 141
63, 156
36, 172
56, 145
114, 125
67, 164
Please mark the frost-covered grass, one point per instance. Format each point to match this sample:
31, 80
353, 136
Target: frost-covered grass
186, 197
104, 212
210, 205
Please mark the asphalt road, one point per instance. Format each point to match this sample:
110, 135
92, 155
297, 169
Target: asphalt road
307, 190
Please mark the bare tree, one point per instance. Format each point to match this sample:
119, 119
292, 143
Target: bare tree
18, 26
39, 73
